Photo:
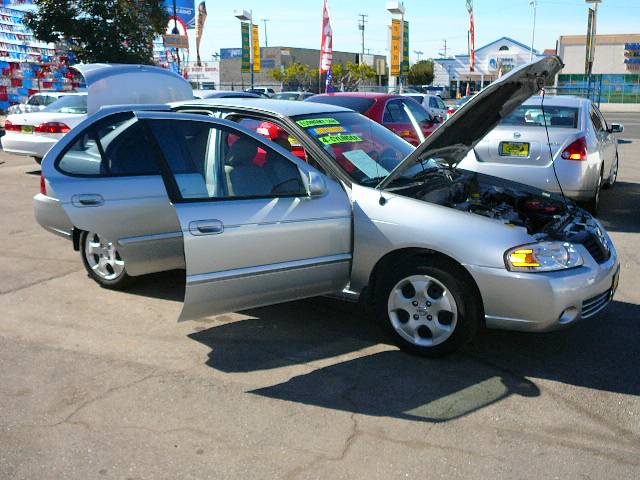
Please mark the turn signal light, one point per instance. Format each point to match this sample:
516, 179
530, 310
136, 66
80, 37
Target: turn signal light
43, 184
576, 151
52, 127
10, 127
523, 258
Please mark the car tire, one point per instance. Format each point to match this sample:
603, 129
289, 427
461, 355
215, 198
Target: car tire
38, 160
103, 262
593, 203
428, 306
613, 175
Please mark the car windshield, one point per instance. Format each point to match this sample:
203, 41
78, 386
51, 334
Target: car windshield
532, 116
69, 104
358, 104
364, 149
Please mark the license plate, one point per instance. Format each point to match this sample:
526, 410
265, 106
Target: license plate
514, 149
27, 129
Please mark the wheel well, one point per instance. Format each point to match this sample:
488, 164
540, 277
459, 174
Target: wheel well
76, 233
396, 256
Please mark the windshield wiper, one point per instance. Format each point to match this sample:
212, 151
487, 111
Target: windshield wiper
425, 173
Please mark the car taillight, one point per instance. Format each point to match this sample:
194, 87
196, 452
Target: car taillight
10, 127
576, 151
52, 127
43, 184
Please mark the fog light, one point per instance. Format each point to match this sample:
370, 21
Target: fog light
568, 316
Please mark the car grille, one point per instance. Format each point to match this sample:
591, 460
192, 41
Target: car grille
593, 305
597, 249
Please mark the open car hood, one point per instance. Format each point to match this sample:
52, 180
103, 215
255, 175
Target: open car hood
114, 84
457, 136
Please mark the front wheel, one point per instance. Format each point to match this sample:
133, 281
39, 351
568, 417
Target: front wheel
429, 308
103, 262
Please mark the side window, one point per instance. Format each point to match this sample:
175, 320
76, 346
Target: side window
440, 103
433, 103
115, 146
36, 100
419, 113
603, 121
394, 112
595, 119
209, 161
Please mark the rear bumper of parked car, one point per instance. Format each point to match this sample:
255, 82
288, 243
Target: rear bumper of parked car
27, 144
539, 302
51, 216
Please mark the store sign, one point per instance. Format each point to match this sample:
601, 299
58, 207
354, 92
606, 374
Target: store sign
185, 10
208, 72
175, 41
396, 47
632, 56
227, 53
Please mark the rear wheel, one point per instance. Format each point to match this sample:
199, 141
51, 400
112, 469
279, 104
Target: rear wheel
592, 204
613, 176
428, 307
38, 160
103, 262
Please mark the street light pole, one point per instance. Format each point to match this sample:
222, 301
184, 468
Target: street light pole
266, 40
534, 4
396, 8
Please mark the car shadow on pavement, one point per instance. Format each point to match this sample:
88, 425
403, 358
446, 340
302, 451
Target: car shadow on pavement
620, 207
164, 285
601, 353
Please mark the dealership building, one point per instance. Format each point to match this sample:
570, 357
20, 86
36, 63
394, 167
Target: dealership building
616, 67
497, 57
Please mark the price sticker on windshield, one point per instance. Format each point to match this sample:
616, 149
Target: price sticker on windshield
333, 139
317, 122
327, 130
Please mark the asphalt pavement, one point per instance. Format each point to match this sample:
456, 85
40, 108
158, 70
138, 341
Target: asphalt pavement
103, 384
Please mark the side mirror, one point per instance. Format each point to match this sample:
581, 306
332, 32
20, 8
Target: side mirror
317, 185
616, 128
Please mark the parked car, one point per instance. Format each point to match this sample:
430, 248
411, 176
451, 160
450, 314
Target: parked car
36, 102
432, 104
452, 108
204, 94
33, 134
441, 91
436, 251
293, 95
581, 145
403, 116
262, 91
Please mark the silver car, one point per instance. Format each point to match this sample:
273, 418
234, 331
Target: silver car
264, 201
581, 146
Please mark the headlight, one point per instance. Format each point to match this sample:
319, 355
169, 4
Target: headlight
543, 257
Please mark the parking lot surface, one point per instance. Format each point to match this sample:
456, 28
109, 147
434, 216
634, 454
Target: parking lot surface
103, 384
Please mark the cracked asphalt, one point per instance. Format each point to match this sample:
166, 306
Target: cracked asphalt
101, 384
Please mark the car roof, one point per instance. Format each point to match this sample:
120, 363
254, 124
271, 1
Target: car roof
557, 100
267, 105
374, 95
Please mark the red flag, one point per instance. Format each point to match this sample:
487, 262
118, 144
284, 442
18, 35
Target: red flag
326, 49
472, 37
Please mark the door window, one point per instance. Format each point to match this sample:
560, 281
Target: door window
595, 119
440, 103
115, 146
419, 113
395, 112
212, 162
433, 103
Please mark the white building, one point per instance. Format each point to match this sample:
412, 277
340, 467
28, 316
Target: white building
500, 55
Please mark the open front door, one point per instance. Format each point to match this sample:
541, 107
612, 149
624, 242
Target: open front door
253, 234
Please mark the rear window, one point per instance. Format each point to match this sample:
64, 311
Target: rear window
69, 104
358, 104
532, 116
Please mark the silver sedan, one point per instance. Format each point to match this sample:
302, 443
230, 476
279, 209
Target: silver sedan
264, 201
581, 145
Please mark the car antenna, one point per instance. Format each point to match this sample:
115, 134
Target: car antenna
553, 163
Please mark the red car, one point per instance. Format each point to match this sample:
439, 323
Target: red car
392, 111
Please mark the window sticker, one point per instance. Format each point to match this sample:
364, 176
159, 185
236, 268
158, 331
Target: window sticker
333, 139
366, 164
293, 141
327, 130
316, 122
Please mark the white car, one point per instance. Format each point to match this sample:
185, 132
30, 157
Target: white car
36, 102
433, 103
33, 134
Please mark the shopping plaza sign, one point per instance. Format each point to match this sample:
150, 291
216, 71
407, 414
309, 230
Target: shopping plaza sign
632, 56
185, 10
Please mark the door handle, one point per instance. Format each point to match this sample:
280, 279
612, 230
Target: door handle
206, 227
87, 200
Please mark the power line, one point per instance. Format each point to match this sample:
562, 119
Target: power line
443, 52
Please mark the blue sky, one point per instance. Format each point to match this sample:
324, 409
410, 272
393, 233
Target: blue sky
298, 23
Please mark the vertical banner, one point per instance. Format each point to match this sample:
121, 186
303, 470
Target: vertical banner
202, 16
472, 37
256, 48
246, 48
591, 26
396, 47
404, 70
326, 47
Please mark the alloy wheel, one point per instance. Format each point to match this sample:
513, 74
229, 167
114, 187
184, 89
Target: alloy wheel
102, 257
422, 310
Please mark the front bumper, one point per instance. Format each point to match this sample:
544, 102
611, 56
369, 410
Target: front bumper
27, 144
540, 302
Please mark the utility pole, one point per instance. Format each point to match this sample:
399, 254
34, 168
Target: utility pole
534, 4
361, 23
443, 53
266, 40
418, 53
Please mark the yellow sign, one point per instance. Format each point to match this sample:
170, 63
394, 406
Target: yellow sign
327, 130
396, 47
256, 48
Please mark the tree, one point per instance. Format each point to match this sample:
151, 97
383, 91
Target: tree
110, 31
348, 78
296, 76
421, 73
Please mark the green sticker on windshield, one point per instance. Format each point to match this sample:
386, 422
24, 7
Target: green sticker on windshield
333, 139
315, 122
